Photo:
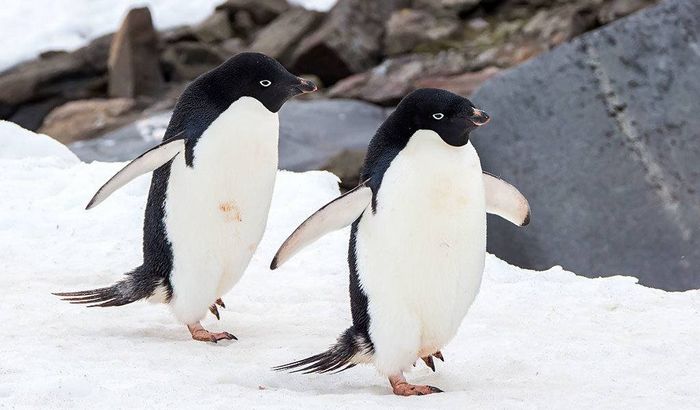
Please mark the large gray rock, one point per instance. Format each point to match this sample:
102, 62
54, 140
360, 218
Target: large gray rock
603, 136
279, 38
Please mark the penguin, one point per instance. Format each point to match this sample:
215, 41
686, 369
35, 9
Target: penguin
210, 193
418, 238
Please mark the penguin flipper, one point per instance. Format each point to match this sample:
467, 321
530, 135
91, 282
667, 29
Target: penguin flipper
147, 162
504, 200
335, 215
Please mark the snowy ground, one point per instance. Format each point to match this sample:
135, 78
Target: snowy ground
532, 340
28, 28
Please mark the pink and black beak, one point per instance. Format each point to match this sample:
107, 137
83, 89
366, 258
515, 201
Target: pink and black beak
305, 86
479, 117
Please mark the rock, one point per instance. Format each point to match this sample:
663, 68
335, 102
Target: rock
214, 29
409, 28
452, 8
186, 60
613, 10
612, 178
346, 165
30, 90
232, 46
279, 38
348, 41
462, 84
387, 83
133, 57
261, 12
315, 134
83, 119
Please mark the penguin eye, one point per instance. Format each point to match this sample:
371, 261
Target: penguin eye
265, 83
438, 116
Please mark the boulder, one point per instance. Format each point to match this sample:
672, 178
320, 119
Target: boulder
319, 134
214, 29
83, 119
349, 40
410, 28
463, 84
186, 60
279, 38
133, 57
387, 83
601, 135
30, 90
261, 12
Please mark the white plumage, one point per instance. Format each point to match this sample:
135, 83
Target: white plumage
216, 211
420, 257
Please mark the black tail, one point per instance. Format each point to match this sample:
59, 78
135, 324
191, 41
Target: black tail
127, 290
346, 353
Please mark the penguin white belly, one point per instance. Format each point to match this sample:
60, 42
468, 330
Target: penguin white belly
216, 210
421, 255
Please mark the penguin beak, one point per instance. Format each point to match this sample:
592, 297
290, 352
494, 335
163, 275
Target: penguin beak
479, 117
305, 86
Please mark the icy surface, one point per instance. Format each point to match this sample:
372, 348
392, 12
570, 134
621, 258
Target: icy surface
28, 28
532, 340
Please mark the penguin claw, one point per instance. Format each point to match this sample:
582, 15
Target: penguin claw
214, 311
438, 354
201, 334
429, 362
220, 303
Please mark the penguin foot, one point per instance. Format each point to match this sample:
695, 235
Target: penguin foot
402, 388
438, 354
202, 334
220, 303
214, 311
428, 360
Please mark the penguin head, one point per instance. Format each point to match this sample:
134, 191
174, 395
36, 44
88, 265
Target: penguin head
451, 116
254, 75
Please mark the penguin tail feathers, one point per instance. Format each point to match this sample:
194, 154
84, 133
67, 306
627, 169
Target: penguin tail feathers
351, 349
125, 291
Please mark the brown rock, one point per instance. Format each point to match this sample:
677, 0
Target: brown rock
260, 11
348, 41
214, 29
347, 165
462, 84
133, 58
409, 28
186, 60
279, 38
387, 83
87, 118
613, 10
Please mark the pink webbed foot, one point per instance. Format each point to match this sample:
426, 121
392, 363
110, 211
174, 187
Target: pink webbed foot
402, 388
202, 334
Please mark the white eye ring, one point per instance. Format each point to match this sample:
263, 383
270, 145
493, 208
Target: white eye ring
265, 83
438, 115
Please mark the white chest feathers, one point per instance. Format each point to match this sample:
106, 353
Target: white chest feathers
421, 256
216, 210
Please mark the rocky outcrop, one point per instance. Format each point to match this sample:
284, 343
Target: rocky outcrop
387, 83
349, 40
83, 119
133, 57
280, 38
602, 137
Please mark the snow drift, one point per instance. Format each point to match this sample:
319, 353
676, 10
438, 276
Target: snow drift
532, 340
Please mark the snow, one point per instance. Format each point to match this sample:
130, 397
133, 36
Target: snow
547, 339
29, 28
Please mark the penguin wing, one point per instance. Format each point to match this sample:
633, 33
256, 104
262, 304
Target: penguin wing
336, 214
147, 162
504, 200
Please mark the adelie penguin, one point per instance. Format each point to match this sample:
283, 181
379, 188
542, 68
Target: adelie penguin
213, 177
418, 238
